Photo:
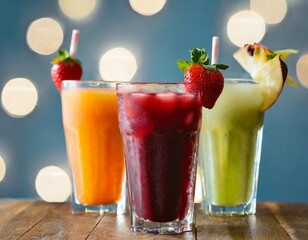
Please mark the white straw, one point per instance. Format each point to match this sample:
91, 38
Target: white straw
74, 43
215, 50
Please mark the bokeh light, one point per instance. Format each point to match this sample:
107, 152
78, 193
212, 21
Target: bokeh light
118, 64
147, 7
19, 97
272, 11
2, 169
302, 70
77, 9
245, 27
44, 36
53, 184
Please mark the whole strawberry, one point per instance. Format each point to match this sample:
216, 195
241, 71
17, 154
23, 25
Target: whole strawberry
65, 67
202, 77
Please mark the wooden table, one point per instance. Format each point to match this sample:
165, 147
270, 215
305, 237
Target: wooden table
29, 219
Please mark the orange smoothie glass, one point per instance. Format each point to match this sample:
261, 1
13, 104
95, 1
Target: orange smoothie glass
94, 146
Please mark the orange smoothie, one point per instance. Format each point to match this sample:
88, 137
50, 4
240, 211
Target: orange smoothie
94, 144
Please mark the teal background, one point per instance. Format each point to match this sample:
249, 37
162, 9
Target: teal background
35, 141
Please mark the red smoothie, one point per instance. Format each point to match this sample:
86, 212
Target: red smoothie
160, 133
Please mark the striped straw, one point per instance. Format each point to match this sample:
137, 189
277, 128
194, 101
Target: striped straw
74, 43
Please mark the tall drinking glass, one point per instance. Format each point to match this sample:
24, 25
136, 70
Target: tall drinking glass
94, 146
230, 149
160, 126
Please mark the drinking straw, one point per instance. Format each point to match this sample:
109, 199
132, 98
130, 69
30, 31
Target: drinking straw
215, 50
74, 43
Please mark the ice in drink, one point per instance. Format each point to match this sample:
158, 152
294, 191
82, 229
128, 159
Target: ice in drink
160, 126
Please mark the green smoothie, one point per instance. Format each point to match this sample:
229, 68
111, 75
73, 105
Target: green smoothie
230, 145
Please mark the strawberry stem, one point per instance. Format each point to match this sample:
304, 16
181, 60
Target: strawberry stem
199, 56
65, 56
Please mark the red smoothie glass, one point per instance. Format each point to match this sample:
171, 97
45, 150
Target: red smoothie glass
160, 124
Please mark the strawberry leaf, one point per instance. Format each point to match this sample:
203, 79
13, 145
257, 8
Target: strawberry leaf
199, 56
221, 66
210, 67
183, 65
64, 53
215, 67
65, 57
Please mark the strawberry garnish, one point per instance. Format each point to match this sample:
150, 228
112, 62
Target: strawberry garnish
65, 67
202, 77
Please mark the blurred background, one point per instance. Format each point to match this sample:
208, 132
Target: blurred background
140, 40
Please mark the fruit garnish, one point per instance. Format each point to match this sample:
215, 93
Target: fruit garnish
202, 77
65, 67
266, 67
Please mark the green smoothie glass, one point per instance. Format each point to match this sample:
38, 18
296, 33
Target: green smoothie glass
230, 149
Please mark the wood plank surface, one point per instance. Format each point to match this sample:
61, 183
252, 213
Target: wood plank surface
60, 223
21, 219
20, 223
117, 227
262, 225
292, 217
9, 209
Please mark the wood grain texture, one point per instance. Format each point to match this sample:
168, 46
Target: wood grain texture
262, 225
22, 222
39, 220
60, 223
9, 209
116, 227
293, 218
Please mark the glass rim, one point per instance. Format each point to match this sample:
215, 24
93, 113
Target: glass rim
226, 80
155, 87
68, 84
240, 81
89, 81
100, 82
150, 83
